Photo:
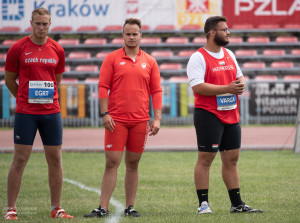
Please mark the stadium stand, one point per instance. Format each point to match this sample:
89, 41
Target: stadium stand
79, 55
9, 42
117, 41
145, 28
245, 52
61, 29
182, 79
295, 52
254, 65
282, 64
2, 56
95, 41
164, 28
242, 26
258, 39
268, 26
190, 27
286, 39
151, 40
292, 26
170, 66
67, 68
2, 69
85, 68
162, 53
177, 40
273, 52
113, 28
186, 53
10, 29
102, 54
266, 77
83, 29
29, 29
235, 39
199, 40
72, 42
291, 77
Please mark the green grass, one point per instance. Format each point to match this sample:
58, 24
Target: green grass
269, 180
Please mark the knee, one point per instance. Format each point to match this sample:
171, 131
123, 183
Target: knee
20, 162
54, 162
133, 165
232, 162
112, 164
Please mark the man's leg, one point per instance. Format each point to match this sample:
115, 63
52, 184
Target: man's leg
229, 168
201, 173
21, 157
113, 160
55, 173
132, 160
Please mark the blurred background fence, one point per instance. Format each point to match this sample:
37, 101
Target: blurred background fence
264, 102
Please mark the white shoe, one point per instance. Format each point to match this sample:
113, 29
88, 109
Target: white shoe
204, 208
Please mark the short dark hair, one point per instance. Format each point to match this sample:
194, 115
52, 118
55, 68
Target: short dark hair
212, 23
40, 11
133, 21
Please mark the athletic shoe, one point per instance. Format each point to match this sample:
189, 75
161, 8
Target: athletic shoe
58, 212
243, 208
130, 211
11, 214
204, 208
97, 213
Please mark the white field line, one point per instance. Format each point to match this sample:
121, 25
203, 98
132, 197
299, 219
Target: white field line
114, 218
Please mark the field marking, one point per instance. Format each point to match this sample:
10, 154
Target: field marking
114, 218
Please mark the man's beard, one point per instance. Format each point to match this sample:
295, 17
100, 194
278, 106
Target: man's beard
219, 41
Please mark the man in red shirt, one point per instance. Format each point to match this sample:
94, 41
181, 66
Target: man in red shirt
131, 76
217, 80
38, 62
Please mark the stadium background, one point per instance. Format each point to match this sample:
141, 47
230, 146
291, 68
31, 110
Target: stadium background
264, 38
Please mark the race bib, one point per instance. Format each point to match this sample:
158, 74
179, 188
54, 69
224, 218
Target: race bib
41, 92
226, 102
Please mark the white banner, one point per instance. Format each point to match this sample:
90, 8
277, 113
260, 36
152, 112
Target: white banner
100, 13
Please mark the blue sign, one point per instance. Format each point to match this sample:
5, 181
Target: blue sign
12, 10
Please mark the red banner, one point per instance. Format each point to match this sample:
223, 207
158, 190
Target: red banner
262, 12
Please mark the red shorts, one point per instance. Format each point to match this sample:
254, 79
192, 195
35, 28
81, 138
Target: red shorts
131, 135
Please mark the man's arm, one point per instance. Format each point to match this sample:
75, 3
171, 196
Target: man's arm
10, 81
58, 79
108, 121
155, 126
235, 87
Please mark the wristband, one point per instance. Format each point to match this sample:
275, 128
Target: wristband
103, 114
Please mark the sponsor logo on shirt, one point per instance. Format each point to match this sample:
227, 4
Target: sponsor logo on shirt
229, 67
123, 63
144, 65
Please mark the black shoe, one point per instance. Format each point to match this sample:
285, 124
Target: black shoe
130, 211
243, 208
97, 213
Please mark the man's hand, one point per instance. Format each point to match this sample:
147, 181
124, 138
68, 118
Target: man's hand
108, 123
236, 87
154, 128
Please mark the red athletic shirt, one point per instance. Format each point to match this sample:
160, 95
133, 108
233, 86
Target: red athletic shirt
130, 84
37, 63
219, 72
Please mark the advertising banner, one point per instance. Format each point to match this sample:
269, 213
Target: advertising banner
258, 12
100, 13
274, 99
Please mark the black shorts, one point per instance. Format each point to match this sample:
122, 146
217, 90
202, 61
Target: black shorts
49, 126
213, 135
